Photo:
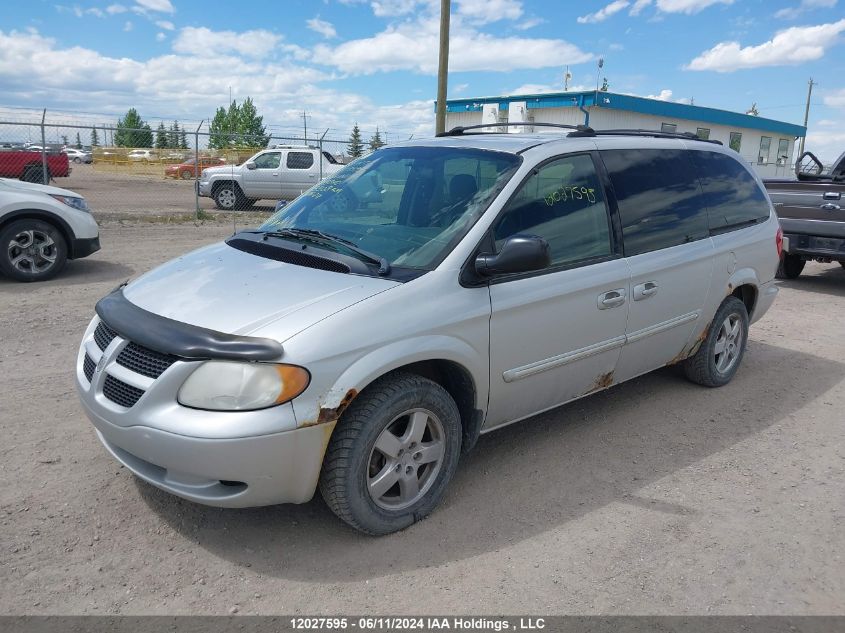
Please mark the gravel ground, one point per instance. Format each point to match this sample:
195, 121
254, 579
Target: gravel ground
656, 496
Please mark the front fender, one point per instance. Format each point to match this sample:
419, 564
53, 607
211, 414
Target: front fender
326, 403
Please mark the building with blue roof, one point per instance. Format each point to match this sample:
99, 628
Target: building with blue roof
765, 144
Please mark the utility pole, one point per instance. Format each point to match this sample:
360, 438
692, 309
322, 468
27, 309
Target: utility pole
806, 117
304, 118
443, 66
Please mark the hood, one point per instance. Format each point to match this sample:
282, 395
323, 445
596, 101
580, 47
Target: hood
31, 187
221, 169
224, 289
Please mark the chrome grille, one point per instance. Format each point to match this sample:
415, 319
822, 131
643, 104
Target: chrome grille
145, 361
119, 392
88, 366
103, 335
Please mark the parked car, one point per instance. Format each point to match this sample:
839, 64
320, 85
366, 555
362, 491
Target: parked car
187, 169
78, 155
812, 214
279, 173
41, 227
27, 164
142, 155
363, 347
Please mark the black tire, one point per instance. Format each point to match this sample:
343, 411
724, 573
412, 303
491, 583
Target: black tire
702, 368
790, 267
229, 197
186, 174
77, 160
36, 265
33, 173
348, 463
842, 264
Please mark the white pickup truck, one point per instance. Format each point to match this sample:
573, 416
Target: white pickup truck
281, 172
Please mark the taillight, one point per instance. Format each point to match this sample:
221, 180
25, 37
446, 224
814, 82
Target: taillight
779, 241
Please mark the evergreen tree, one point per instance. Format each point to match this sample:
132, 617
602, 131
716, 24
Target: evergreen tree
64, 140
78, 141
219, 130
375, 141
355, 147
183, 141
95, 140
251, 125
161, 137
132, 131
173, 136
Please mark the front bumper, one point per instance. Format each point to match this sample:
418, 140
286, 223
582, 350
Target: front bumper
229, 473
219, 458
83, 247
204, 188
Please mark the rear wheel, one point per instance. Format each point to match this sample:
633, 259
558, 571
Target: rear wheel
790, 267
33, 173
392, 454
32, 250
718, 358
186, 174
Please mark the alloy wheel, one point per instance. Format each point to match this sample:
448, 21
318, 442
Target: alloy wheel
32, 251
728, 343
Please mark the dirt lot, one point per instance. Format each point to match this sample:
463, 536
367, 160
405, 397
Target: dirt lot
656, 496
120, 195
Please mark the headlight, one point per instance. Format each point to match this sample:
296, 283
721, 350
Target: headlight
77, 203
233, 386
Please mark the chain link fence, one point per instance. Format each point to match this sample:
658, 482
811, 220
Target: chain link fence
162, 182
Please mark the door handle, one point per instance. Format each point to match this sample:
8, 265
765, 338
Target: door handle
276, 174
611, 298
832, 195
645, 290
831, 207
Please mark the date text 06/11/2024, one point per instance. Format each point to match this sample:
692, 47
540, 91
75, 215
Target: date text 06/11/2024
410, 623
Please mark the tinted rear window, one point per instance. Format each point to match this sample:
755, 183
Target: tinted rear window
300, 160
731, 194
660, 202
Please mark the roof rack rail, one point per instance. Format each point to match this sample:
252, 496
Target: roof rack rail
688, 136
458, 131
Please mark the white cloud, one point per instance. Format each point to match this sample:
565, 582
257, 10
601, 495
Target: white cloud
486, 11
638, 7
167, 25
160, 37
536, 89
790, 13
205, 42
114, 9
529, 23
96, 12
393, 8
605, 12
163, 6
127, 26
835, 99
665, 95
688, 6
413, 45
326, 29
792, 46
827, 145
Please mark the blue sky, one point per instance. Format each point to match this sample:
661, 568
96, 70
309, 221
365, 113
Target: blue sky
374, 61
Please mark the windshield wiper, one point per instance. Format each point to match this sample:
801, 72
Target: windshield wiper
319, 236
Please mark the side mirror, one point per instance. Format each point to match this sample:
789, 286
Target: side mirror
250, 165
519, 254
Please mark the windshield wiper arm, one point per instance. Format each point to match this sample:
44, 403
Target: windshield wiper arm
378, 260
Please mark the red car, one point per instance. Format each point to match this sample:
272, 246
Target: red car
187, 170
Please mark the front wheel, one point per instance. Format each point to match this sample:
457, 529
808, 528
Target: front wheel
718, 358
392, 454
32, 250
228, 197
186, 174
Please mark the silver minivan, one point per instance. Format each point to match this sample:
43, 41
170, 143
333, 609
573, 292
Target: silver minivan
360, 341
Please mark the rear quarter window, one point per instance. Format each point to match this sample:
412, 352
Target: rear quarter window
660, 202
732, 195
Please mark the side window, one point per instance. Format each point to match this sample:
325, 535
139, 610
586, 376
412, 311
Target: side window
659, 199
270, 160
703, 133
300, 160
732, 195
783, 151
563, 203
668, 128
765, 147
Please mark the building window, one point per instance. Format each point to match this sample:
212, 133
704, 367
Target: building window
703, 133
736, 141
765, 147
668, 128
783, 151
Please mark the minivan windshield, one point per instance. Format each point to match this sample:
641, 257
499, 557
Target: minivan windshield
407, 205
